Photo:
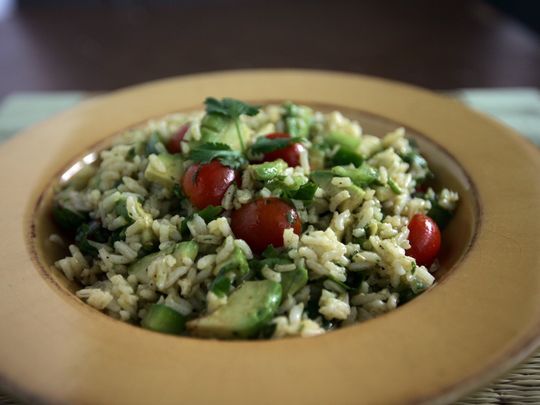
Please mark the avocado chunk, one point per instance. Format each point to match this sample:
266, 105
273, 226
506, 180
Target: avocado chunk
235, 266
222, 129
269, 170
293, 281
249, 308
361, 176
164, 169
161, 318
138, 269
188, 249
322, 177
297, 119
357, 197
344, 157
347, 142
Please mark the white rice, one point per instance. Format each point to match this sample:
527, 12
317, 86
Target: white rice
353, 243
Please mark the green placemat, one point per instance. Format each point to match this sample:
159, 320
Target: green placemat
518, 108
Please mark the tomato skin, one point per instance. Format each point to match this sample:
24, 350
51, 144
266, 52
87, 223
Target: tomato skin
425, 239
262, 222
290, 154
173, 146
205, 184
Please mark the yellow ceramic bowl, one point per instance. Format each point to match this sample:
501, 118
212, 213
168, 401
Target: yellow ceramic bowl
481, 317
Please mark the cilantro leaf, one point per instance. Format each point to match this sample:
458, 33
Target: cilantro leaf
306, 192
229, 107
266, 145
207, 152
208, 214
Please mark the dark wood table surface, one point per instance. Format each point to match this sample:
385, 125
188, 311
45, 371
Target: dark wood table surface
435, 44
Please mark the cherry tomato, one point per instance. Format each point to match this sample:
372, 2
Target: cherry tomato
262, 222
425, 240
173, 146
290, 154
205, 184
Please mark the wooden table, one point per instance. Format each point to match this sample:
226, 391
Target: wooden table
439, 45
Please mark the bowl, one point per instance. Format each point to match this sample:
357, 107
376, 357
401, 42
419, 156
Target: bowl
481, 317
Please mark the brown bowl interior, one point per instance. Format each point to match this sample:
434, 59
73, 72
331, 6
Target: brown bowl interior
457, 237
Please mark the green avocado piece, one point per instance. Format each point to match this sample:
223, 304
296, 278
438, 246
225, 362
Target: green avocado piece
140, 266
357, 197
161, 318
293, 281
361, 176
248, 309
345, 157
322, 177
164, 169
236, 264
188, 249
218, 128
269, 170
347, 142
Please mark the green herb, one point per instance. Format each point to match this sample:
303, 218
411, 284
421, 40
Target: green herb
417, 286
414, 157
147, 248
90, 232
151, 145
66, 218
266, 145
439, 214
271, 257
393, 186
312, 306
121, 210
271, 252
413, 267
344, 157
131, 154
232, 109
221, 285
207, 152
177, 192
306, 192
209, 213
297, 190
118, 235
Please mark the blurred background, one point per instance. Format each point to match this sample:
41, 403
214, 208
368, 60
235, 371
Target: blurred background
101, 45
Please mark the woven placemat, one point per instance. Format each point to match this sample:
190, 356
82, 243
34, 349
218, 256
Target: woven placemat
518, 108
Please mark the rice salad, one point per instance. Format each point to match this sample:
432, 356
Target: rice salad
251, 222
